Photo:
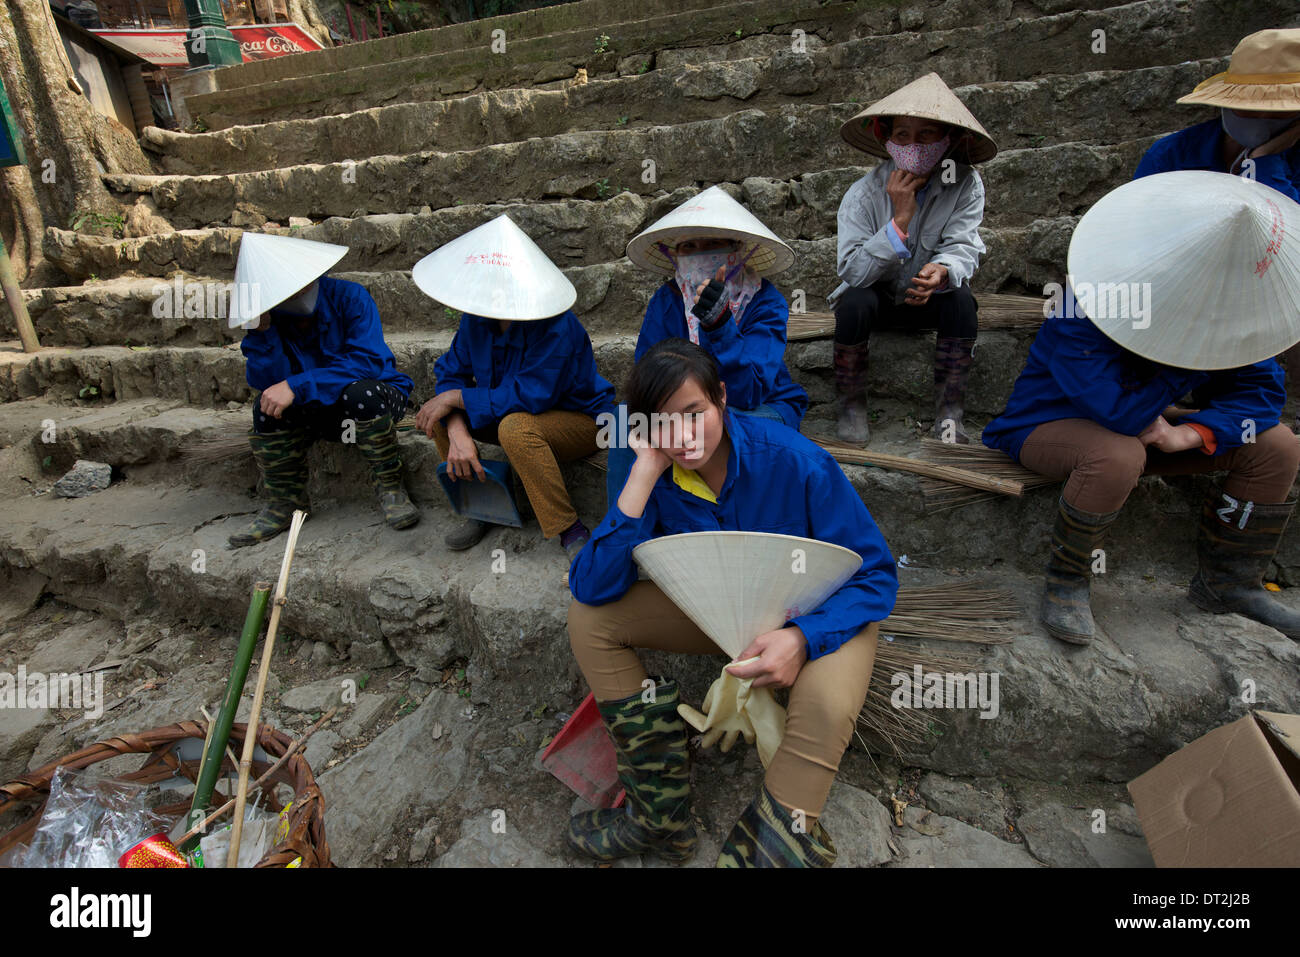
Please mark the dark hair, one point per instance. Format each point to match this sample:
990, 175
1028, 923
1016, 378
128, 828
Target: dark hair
663, 370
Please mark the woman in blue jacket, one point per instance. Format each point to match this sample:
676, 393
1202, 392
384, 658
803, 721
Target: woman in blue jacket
1089, 409
520, 373
717, 255
323, 371
734, 472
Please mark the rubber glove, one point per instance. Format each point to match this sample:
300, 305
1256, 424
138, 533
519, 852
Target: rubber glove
734, 709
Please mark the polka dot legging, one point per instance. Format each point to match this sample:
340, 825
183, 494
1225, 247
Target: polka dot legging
361, 401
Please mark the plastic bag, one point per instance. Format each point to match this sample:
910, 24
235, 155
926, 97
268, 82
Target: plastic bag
89, 823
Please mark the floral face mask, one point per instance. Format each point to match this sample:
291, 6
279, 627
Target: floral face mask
917, 158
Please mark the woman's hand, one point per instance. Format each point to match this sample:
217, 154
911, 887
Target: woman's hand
462, 455
1170, 438
781, 654
931, 277
902, 188
276, 399
431, 413
650, 463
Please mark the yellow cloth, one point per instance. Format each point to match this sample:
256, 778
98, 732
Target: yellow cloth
690, 481
733, 708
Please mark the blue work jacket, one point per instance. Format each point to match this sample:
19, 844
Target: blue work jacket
1197, 147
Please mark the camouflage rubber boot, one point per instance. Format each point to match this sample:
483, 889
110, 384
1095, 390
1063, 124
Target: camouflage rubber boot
952, 361
1235, 542
767, 835
851, 392
1067, 611
650, 741
377, 440
282, 457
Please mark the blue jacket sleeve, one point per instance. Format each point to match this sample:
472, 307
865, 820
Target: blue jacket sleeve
1087, 370
654, 327
837, 515
362, 356
1275, 170
266, 361
454, 368
604, 570
535, 388
1247, 398
1157, 159
751, 358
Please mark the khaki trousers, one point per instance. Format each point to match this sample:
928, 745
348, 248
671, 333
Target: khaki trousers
824, 700
535, 446
1101, 467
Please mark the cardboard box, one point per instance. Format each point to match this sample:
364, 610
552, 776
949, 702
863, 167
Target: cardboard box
1228, 799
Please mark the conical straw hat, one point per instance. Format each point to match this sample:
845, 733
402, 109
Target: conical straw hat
272, 268
1207, 267
711, 215
738, 585
497, 272
928, 98
1263, 74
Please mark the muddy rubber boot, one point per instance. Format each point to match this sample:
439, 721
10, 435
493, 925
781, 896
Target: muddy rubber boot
1067, 611
377, 440
952, 361
851, 387
282, 457
1235, 542
650, 741
767, 835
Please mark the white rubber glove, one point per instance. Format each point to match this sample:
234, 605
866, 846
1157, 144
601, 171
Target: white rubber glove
732, 709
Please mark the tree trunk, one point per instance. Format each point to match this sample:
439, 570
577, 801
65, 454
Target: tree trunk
306, 15
69, 144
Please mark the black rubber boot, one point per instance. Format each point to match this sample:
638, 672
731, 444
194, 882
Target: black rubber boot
1067, 612
1235, 542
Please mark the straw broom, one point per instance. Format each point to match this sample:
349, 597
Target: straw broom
997, 311
978, 459
250, 736
940, 474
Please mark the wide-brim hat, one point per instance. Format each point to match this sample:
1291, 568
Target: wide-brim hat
271, 268
1201, 269
928, 98
711, 214
497, 272
1263, 74
739, 585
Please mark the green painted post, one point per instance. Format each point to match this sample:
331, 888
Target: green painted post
209, 43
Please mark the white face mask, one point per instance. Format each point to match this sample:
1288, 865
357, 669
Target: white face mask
1252, 131
303, 304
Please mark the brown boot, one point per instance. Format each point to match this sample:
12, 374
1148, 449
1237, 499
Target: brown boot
851, 387
952, 361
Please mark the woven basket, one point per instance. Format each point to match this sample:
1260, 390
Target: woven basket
306, 837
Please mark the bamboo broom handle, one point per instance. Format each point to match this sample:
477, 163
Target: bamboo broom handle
250, 736
946, 473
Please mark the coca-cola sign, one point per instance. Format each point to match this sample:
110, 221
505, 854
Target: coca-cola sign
256, 42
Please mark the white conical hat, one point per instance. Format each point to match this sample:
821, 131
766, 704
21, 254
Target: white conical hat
497, 272
1204, 269
711, 214
738, 585
928, 98
272, 268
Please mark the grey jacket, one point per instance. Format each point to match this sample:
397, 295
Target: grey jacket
945, 230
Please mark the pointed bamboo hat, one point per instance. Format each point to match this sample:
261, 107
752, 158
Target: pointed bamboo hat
1203, 269
711, 214
738, 585
1263, 74
497, 272
270, 269
928, 98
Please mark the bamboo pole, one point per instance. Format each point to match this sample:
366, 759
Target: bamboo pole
293, 749
853, 455
219, 731
268, 647
17, 304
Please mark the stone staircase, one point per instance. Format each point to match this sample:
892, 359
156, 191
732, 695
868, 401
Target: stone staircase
395, 146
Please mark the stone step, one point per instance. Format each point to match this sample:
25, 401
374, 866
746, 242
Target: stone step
1016, 112
1022, 186
1160, 674
611, 296
602, 49
1137, 35
791, 142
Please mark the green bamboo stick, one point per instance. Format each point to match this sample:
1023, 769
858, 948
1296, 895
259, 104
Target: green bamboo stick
210, 768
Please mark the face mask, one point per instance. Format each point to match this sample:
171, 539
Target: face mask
917, 158
695, 269
303, 304
1252, 131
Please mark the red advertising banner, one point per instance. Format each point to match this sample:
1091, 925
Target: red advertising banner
257, 42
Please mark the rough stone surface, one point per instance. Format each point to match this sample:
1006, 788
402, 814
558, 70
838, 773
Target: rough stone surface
982, 804
482, 846
932, 840
85, 479
319, 695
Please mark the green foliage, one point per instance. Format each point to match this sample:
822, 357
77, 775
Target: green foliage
622, 121
602, 43
88, 217
88, 391
602, 188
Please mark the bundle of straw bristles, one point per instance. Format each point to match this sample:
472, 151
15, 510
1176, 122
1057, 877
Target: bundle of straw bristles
997, 311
